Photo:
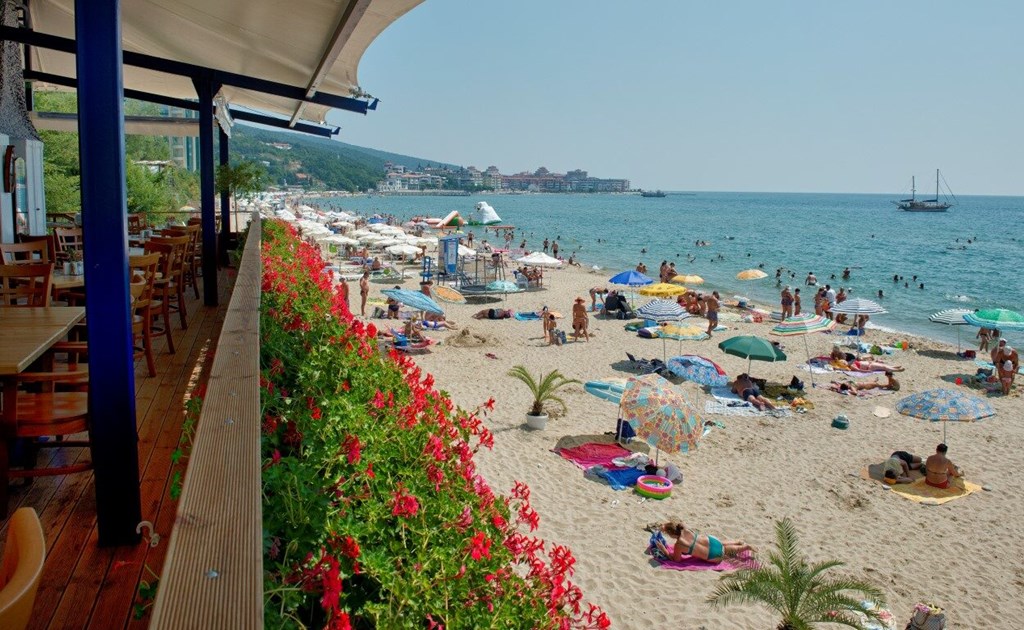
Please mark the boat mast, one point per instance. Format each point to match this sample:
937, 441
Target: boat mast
913, 190
936, 184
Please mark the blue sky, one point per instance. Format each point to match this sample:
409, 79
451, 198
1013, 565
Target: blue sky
746, 96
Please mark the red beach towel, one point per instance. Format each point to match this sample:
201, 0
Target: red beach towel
593, 454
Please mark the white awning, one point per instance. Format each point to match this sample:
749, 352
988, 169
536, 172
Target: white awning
312, 44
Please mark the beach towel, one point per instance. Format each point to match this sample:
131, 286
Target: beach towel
592, 454
725, 394
621, 478
919, 491
741, 409
527, 317
689, 563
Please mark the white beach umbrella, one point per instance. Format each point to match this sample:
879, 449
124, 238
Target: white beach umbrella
403, 250
371, 239
952, 317
540, 259
858, 306
359, 232
287, 215
338, 239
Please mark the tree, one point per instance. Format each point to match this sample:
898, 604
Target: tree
243, 178
797, 590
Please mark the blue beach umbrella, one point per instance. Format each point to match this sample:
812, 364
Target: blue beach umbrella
630, 278
945, 405
414, 300
697, 369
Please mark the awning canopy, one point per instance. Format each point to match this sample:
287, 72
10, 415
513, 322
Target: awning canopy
315, 45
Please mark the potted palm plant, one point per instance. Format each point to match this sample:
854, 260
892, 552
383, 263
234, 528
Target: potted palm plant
799, 591
544, 390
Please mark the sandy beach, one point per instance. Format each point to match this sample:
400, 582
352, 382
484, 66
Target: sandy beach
961, 555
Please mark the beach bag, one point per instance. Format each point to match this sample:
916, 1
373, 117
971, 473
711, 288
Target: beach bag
624, 429
927, 617
646, 333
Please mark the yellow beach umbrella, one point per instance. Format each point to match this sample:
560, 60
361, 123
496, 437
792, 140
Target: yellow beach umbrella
688, 279
751, 274
662, 289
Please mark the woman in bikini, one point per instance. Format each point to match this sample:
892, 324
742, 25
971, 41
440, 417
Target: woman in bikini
701, 546
364, 292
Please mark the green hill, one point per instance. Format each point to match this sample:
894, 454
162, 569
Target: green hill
313, 162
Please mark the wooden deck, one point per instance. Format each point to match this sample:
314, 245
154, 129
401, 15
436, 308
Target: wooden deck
83, 585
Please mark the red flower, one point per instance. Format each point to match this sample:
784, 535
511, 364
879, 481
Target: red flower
465, 519
404, 504
489, 405
479, 546
378, 400
350, 548
351, 444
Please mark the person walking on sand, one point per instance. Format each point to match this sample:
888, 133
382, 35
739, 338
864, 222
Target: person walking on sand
787, 302
343, 289
796, 302
1006, 364
711, 303
983, 337
579, 320
364, 292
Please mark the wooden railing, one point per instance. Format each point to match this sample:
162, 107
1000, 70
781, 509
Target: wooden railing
213, 572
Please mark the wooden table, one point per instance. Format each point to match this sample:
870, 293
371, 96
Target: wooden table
27, 332
62, 281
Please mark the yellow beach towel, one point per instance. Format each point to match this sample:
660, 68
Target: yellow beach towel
920, 492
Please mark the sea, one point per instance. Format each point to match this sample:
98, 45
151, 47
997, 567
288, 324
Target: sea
968, 257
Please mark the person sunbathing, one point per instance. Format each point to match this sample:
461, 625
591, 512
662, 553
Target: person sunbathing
848, 389
890, 383
750, 392
939, 471
493, 313
701, 546
870, 365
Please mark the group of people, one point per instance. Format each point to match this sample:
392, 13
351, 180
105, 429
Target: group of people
1007, 362
937, 469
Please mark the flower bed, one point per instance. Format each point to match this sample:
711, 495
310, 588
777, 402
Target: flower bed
374, 514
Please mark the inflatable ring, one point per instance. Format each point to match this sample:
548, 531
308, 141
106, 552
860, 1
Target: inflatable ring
653, 487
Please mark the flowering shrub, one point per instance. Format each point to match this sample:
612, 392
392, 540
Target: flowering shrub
374, 514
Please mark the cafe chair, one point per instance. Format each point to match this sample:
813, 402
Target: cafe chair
41, 405
67, 240
143, 284
30, 253
190, 269
170, 286
160, 304
48, 240
21, 566
136, 223
25, 284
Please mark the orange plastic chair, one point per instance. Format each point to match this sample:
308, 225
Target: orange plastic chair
20, 569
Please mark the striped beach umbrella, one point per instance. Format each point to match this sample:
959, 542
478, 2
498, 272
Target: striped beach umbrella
952, 317
662, 311
803, 325
1001, 318
945, 405
858, 306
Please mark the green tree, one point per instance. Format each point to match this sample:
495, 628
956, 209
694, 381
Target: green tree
241, 179
543, 389
798, 591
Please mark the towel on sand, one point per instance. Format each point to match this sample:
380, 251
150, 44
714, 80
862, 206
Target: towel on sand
689, 563
527, 317
592, 454
725, 394
621, 478
921, 492
744, 409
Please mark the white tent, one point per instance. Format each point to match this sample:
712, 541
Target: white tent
484, 214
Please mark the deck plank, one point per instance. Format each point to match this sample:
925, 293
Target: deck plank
83, 585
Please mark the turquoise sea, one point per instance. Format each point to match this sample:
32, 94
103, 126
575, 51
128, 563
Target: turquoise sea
822, 233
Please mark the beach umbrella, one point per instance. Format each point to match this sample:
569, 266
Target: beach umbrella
688, 279
630, 278
945, 405
448, 294
952, 317
662, 289
680, 333
403, 250
414, 300
697, 369
752, 348
608, 389
1001, 318
540, 259
803, 325
466, 252
858, 306
661, 414
662, 311
751, 274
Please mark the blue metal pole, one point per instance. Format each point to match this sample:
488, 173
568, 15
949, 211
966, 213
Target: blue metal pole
225, 197
205, 89
113, 432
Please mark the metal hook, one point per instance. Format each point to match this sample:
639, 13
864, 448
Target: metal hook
153, 537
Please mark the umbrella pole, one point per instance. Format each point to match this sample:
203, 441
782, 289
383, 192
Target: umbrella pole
957, 342
810, 370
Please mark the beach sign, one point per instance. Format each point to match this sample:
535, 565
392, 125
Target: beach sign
449, 252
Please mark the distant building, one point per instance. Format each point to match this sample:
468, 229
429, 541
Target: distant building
184, 149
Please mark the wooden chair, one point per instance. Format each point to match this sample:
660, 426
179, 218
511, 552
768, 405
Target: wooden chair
48, 239
34, 252
55, 405
160, 304
136, 223
25, 284
67, 240
170, 286
190, 263
143, 282
20, 568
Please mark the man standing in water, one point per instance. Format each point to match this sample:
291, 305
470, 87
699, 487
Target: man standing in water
711, 304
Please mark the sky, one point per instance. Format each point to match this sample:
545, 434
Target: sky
781, 96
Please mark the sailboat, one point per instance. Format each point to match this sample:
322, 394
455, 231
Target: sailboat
923, 205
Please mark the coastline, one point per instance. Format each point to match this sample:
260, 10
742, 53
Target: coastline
747, 474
